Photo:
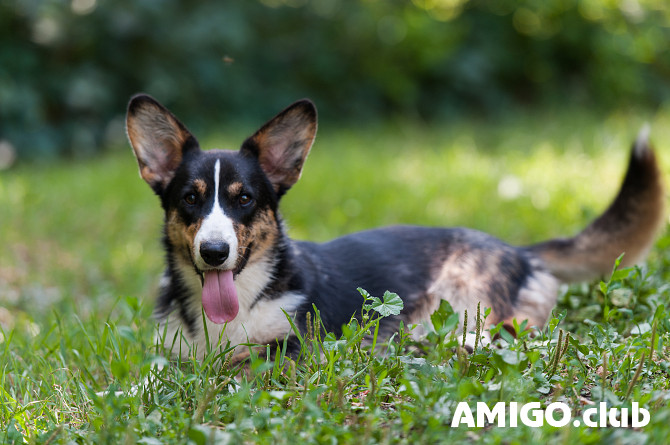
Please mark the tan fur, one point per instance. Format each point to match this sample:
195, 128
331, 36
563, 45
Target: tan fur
262, 233
200, 186
455, 284
181, 235
235, 188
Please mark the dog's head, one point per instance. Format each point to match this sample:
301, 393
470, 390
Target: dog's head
220, 206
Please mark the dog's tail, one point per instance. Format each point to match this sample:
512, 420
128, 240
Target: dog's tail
628, 226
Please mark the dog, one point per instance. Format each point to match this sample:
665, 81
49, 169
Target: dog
228, 253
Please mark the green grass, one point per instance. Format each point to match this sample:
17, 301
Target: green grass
81, 257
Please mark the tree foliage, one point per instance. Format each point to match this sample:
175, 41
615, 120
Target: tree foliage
67, 68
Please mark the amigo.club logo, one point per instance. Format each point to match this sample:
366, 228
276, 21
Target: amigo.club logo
557, 414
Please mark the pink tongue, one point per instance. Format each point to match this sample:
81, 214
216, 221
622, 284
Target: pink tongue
219, 297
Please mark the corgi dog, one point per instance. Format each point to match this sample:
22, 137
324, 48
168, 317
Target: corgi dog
228, 252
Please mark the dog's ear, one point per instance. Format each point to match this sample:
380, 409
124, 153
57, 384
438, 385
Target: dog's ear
158, 139
282, 144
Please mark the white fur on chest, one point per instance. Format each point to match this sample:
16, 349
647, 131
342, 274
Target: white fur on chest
260, 324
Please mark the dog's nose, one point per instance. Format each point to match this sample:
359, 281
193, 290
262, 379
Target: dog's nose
215, 253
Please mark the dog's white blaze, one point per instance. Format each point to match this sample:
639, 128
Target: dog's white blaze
216, 227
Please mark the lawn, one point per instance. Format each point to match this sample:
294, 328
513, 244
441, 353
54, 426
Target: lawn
81, 257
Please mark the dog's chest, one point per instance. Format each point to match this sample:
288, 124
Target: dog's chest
260, 319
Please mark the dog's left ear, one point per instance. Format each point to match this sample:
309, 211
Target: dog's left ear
282, 144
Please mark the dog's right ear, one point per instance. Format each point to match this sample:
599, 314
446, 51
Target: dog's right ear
283, 143
158, 139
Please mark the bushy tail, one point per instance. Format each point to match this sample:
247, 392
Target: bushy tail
628, 226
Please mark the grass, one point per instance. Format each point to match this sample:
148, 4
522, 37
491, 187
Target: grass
81, 257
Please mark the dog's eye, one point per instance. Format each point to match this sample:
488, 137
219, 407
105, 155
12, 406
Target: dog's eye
190, 199
245, 200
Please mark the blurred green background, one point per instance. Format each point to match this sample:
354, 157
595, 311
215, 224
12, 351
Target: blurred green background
68, 67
